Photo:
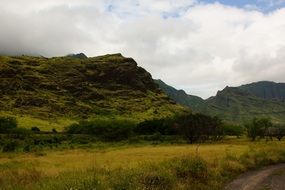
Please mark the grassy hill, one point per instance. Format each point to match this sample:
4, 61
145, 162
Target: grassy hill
54, 92
237, 104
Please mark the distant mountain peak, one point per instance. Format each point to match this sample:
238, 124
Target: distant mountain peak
268, 90
78, 55
237, 104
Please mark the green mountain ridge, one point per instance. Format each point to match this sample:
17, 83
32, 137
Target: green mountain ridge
266, 90
238, 104
74, 87
180, 96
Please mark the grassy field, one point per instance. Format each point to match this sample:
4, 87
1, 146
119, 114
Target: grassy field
125, 166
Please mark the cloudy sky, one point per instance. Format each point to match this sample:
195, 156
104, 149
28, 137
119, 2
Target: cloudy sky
197, 45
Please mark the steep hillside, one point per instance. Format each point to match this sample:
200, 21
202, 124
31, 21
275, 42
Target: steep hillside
194, 102
237, 104
75, 87
266, 90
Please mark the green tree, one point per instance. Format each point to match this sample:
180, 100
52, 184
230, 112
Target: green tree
200, 127
233, 130
258, 127
277, 131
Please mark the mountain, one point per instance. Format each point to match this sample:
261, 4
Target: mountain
78, 55
55, 91
237, 104
266, 90
180, 96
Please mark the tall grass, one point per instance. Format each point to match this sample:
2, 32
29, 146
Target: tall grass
181, 172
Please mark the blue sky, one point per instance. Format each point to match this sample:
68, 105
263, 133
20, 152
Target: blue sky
262, 5
177, 8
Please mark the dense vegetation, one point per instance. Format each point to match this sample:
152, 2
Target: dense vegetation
187, 128
192, 128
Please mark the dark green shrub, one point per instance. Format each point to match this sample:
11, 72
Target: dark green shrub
46, 140
54, 130
81, 139
233, 130
35, 129
20, 132
10, 146
109, 130
7, 124
162, 126
155, 137
27, 148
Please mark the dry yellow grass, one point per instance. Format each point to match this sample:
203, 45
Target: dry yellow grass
129, 166
53, 162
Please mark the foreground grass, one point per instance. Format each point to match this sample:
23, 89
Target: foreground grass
149, 167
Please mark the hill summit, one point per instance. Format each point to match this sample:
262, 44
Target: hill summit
79, 87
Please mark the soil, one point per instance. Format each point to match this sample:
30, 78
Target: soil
267, 178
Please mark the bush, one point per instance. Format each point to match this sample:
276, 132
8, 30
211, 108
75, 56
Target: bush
54, 130
35, 129
108, 130
20, 132
195, 168
10, 146
156, 178
162, 126
7, 124
233, 130
46, 140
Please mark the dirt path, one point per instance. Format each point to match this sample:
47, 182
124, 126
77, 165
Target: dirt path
267, 178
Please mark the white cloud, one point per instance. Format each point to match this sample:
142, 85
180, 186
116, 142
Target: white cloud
200, 47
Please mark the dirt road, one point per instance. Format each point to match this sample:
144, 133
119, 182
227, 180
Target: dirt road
267, 178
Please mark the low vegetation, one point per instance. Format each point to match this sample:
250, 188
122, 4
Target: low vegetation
145, 167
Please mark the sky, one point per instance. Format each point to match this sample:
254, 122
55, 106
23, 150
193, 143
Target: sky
200, 46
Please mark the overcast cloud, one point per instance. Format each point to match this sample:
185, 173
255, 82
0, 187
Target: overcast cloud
198, 46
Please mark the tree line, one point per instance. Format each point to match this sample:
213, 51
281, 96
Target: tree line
264, 128
192, 127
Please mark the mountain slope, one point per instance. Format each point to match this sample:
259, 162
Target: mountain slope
237, 104
78, 87
266, 90
194, 102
